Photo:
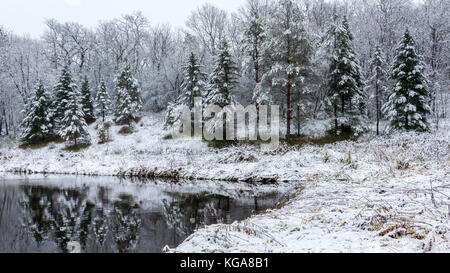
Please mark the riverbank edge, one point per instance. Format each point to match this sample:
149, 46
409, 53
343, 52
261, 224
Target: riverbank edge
144, 174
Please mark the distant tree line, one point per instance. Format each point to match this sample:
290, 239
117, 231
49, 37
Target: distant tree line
354, 63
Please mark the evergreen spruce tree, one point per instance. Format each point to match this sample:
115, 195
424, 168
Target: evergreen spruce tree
171, 117
287, 52
408, 104
86, 101
102, 101
346, 80
254, 37
128, 99
38, 122
222, 80
102, 105
73, 127
62, 90
103, 132
376, 82
192, 87
193, 82
253, 45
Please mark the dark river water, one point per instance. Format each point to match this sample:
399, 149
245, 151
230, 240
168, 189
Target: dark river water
46, 214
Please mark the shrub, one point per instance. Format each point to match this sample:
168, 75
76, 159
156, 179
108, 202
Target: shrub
126, 130
104, 134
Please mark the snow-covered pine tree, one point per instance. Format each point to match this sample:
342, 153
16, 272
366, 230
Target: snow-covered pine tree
221, 83
125, 110
103, 132
346, 80
102, 101
38, 122
192, 87
376, 83
62, 90
171, 118
86, 101
194, 82
254, 36
128, 98
287, 51
253, 40
73, 127
408, 104
223, 79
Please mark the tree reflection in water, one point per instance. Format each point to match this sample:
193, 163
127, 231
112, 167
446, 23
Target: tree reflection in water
103, 219
190, 212
126, 225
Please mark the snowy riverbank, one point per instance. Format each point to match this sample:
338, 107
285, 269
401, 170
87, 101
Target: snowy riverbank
386, 194
146, 152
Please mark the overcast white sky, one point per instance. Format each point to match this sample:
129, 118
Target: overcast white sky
27, 16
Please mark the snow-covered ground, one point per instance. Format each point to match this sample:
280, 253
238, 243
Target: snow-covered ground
389, 194
380, 194
145, 152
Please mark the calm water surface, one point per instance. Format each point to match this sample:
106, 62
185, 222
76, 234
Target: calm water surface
45, 214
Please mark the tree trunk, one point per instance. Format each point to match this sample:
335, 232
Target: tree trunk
316, 106
6, 122
257, 80
343, 111
1, 124
336, 125
288, 108
335, 117
406, 121
256, 61
289, 79
298, 120
406, 114
377, 98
